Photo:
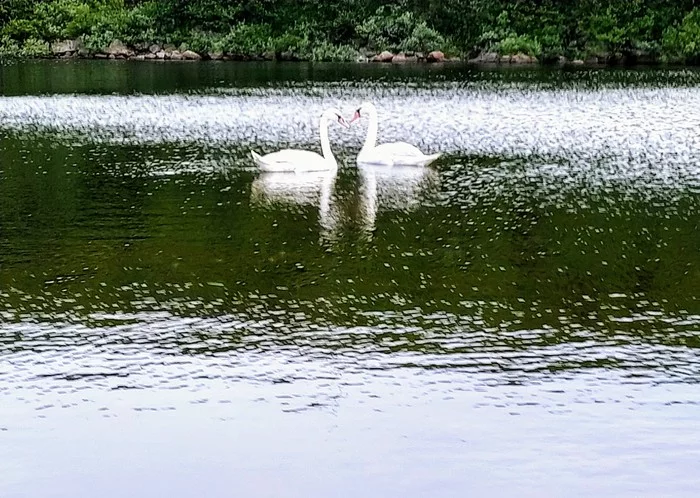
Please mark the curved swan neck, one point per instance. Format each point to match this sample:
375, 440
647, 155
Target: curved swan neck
372, 129
325, 142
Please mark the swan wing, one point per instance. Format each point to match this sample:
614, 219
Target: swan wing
291, 160
396, 154
398, 149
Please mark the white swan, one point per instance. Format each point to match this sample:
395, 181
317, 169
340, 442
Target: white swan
295, 160
391, 154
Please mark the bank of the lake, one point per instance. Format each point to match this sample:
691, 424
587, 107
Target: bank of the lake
152, 51
483, 31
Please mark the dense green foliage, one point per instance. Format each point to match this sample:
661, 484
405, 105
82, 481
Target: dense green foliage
309, 29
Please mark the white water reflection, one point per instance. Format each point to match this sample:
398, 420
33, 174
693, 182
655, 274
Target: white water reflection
313, 188
381, 188
656, 128
399, 188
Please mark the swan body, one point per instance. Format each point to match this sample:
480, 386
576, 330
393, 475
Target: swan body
389, 154
296, 160
292, 160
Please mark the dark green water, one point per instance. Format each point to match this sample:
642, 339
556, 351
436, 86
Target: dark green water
521, 318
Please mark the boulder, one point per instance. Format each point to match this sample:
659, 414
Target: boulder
287, 55
645, 58
385, 56
169, 47
155, 48
100, 56
149, 56
190, 55
505, 59
367, 52
117, 48
486, 57
216, 56
175, 55
141, 47
402, 57
361, 59
65, 46
436, 56
577, 62
520, 58
160, 54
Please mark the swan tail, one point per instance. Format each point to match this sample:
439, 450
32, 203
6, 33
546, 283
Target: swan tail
257, 158
430, 158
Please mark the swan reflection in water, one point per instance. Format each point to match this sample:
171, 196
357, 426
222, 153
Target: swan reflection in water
312, 188
397, 188
381, 188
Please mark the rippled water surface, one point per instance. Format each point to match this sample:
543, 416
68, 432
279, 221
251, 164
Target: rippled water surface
520, 319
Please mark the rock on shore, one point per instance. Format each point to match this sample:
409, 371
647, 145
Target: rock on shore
156, 51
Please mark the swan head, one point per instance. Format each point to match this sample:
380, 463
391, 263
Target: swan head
364, 109
335, 115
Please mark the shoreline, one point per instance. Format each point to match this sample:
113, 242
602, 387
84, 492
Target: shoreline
116, 50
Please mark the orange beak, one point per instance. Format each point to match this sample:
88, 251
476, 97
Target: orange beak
355, 116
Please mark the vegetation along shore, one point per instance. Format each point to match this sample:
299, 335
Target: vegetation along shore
487, 31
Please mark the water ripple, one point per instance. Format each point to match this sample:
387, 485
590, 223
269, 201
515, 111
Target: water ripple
641, 129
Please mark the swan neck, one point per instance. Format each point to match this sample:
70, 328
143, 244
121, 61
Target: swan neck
325, 142
372, 129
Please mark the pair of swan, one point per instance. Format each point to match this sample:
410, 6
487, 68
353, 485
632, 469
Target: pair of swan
390, 154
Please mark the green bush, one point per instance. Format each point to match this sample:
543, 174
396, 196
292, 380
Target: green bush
310, 29
202, 42
388, 29
20, 30
33, 47
493, 35
50, 19
246, 40
100, 26
551, 45
326, 51
423, 39
519, 44
683, 42
296, 46
8, 47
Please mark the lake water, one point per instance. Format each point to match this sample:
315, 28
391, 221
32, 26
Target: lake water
522, 318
